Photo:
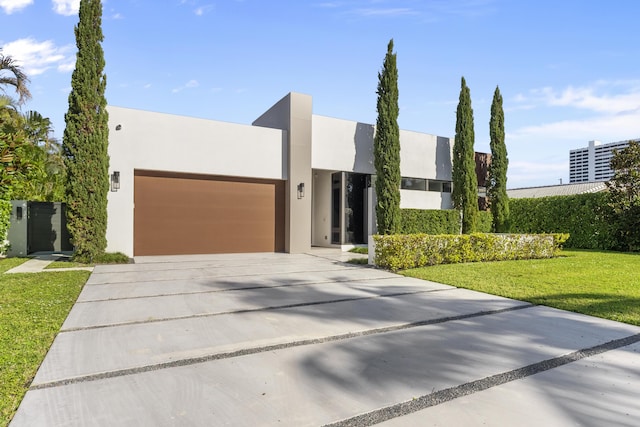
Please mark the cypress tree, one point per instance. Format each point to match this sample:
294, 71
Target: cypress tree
386, 147
465, 181
86, 137
497, 188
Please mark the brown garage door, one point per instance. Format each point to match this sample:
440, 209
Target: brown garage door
197, 214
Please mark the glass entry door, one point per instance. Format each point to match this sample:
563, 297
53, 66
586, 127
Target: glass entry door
336, 208
349, 208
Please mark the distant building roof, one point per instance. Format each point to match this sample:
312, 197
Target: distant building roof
557, 190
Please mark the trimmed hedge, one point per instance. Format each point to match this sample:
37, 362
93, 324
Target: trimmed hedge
5, 215
583, 216
437, 221
587, 218
399, 252
485, 222
427, 221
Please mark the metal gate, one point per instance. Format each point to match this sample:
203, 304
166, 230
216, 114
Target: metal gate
47, 227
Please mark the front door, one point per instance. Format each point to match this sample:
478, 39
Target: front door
349, 208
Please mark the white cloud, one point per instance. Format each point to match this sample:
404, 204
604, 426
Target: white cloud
329, 4
66, 7
614, 108
10, 6
399, 11
434, 10
203, 9
189, 85
602, 96
607, 128
607, 111
37, 57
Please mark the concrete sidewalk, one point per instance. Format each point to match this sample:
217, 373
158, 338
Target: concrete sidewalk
307, 340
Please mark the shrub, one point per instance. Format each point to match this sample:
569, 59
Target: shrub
439, 221
104, 258
399, 252
5, 215
427, 221
485, 220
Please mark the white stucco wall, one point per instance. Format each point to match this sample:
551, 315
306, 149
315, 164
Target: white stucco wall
344, 145
321, 232
164, 142
411, 199
425, 156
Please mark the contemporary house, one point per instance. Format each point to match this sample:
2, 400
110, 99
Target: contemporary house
289, 181
593, 163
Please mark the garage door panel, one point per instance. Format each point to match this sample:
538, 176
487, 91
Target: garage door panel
187, 215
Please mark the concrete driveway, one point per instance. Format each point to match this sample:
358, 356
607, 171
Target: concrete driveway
305, 340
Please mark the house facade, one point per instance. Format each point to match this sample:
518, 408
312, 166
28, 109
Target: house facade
288, 181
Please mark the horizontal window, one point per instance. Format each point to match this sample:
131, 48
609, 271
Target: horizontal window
422, 184
414, 184
439, 186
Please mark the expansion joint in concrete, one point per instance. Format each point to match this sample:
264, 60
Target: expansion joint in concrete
251, 310
274, 347
446, 395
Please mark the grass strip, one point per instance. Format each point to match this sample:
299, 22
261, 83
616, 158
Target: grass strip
33, 307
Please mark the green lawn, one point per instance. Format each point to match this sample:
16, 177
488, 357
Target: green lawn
602, 284
32, 309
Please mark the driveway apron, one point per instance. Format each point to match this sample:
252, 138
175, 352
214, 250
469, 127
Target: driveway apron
307, 340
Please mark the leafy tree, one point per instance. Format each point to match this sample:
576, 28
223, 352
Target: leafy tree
14, 150
12, 75
624, 196
386, 148
29, 156
465, 181
32, 166
45, 157
13, 141
86, 138
497, 188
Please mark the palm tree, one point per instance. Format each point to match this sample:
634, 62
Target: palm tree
12, 75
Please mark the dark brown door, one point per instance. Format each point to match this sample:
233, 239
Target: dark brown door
47, 227
198, 214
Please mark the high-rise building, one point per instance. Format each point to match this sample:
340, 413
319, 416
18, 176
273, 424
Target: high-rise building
593, 163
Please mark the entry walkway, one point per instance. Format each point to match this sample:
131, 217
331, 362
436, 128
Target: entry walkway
306, 340
39, 262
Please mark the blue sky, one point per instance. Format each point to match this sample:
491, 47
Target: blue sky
569, 70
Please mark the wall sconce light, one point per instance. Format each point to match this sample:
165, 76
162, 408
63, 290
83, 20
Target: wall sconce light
115, 181
301, 190
118, 127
